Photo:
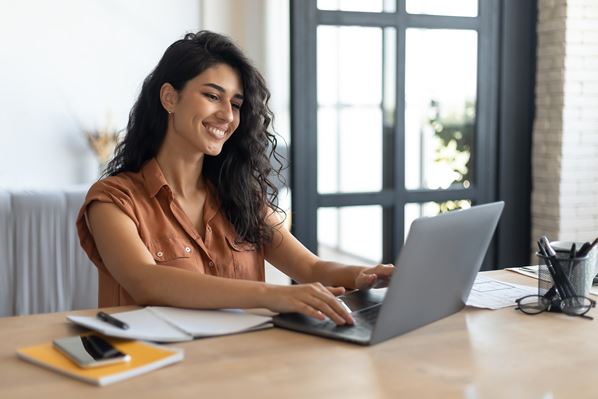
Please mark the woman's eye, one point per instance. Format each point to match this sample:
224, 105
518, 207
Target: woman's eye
236, 106
211, 96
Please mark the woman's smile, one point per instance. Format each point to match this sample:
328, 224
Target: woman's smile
218, 132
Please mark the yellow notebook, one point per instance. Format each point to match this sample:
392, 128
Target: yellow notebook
145, 357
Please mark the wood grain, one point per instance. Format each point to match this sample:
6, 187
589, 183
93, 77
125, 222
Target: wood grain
472, 354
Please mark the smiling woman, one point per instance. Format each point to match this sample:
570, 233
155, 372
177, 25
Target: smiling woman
204, 114
186, 213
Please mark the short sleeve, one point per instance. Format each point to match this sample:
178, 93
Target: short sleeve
112, 190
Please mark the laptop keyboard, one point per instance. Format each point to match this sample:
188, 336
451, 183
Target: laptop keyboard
366, 307
364, 323
366, 318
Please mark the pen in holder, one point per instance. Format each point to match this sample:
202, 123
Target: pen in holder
578, 273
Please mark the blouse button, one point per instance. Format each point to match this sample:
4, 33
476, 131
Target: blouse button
211, 264
159, 254
187, 249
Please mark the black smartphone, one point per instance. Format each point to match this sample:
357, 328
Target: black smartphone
90, 351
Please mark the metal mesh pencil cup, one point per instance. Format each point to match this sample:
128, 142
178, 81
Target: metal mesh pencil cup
579, 271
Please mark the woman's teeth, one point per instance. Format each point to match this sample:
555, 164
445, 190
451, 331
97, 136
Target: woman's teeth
216, 132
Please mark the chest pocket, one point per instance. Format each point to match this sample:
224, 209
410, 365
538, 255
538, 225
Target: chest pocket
167, 249
245, 259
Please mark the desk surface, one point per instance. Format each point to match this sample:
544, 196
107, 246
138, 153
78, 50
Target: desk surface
472, 354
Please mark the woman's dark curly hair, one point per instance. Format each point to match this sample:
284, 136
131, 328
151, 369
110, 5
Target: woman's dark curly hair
241, 172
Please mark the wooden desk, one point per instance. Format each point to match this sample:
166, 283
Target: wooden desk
472, 354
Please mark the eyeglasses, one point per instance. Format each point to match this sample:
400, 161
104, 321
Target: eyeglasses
571, 306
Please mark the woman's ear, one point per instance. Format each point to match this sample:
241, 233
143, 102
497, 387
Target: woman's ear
168, 97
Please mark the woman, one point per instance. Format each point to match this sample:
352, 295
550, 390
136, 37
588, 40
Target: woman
187, 214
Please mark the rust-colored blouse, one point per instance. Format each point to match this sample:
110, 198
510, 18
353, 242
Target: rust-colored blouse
167, 232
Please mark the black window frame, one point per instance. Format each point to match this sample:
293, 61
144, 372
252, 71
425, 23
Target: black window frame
504, 114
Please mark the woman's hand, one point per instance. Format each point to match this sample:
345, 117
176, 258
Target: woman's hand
312, 300
374, 277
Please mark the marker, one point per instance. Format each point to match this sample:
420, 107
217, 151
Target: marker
112, 320
563, 284
589, 248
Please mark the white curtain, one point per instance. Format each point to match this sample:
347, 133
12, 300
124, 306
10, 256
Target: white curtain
46, 270
6, 257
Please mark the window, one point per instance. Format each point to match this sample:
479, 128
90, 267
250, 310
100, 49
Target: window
394, 117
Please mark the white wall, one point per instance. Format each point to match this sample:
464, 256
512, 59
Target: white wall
64, 66
261, 28
565, 182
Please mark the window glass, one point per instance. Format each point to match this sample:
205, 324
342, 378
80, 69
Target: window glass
358, 5
349, 149
351, 234
440, 103
461, 8
349, 65
352, 66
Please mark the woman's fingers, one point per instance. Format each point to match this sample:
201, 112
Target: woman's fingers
366, 281
311, 312
336, 291
332, 308
327, 310
374, 277
313, 300
381, 270
385, 271
323, 299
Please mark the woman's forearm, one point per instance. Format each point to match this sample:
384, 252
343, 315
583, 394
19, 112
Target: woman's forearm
166, 286
334, 274
181, 288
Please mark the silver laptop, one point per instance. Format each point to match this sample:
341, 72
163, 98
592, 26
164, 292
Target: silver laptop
435, 272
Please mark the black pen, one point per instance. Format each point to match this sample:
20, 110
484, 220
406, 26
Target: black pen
112, 320
551, 270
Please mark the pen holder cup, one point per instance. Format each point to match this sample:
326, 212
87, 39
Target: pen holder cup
579, 271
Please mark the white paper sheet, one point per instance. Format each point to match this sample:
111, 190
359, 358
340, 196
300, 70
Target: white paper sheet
489, 293
164, 324
530, 271
201, 323
142, 325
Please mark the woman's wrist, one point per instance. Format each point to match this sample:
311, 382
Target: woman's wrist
264, 294
357, 272
337, 274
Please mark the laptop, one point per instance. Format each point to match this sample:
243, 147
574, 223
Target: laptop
433, 278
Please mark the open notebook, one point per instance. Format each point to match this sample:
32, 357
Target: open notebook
165, 324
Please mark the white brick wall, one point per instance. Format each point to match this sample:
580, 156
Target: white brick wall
565, 137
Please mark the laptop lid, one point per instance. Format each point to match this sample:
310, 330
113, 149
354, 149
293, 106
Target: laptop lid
436, 269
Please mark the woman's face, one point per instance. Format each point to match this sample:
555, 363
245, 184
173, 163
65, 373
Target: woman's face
207, 110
